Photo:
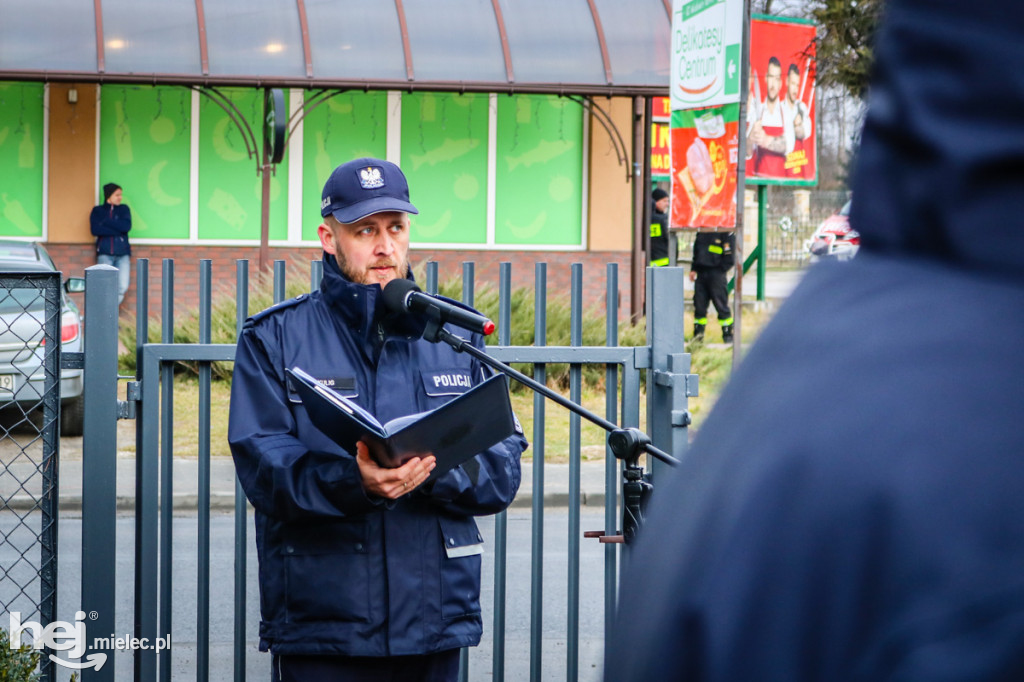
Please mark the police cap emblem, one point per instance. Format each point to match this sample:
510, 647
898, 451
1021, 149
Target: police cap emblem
371, 177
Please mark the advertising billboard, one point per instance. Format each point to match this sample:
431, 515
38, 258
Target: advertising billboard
661, 159
781, 115
706, 58
704, 94
705, 148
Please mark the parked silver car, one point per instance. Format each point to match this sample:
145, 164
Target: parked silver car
22, 342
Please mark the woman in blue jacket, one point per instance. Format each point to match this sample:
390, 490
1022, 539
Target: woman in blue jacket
110, 223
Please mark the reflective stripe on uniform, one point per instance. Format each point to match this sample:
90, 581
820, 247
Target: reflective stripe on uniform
715, 249
700, 320
655, 229
727, 321
659, 262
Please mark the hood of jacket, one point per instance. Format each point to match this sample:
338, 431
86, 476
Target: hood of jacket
939, 173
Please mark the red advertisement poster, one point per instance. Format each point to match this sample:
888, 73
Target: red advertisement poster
705, 147
661, 166
781, 116
660, 109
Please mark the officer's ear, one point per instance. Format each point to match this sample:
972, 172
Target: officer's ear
327, 240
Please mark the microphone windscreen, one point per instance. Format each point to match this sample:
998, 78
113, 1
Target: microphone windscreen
395, 293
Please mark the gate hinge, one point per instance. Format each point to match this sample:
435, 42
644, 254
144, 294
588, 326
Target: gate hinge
126, 408
689, 382
681, 418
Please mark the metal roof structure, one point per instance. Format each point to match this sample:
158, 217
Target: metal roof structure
583, 47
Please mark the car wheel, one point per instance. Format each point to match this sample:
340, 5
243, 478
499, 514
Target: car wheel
72, 416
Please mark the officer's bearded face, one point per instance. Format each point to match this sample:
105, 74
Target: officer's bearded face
373, 250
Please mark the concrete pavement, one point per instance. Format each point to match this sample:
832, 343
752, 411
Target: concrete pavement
778, 284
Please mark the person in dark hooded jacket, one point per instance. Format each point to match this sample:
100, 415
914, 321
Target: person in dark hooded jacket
110, 223
853, 508
365, 572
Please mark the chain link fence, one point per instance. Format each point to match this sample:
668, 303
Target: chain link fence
791, 217
30, 316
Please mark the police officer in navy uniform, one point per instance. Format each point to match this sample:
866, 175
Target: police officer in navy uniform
714, 254
365, 572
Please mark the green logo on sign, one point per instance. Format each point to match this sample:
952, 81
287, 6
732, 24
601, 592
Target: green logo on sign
694, 8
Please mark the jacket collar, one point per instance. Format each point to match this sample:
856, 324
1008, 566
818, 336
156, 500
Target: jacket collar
362, 305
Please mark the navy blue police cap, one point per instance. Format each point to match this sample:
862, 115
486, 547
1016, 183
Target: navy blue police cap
363, 187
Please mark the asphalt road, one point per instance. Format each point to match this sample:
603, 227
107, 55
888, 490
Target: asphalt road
184, 580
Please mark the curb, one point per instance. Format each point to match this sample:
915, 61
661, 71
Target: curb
226, 502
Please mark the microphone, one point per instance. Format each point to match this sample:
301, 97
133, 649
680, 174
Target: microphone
402, 295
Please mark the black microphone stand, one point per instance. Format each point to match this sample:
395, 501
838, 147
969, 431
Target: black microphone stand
626, 444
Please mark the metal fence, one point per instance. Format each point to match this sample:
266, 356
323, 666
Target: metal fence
789, 222
30, 362
151, 398
791, 217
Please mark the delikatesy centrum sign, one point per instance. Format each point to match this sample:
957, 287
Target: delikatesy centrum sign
706, 40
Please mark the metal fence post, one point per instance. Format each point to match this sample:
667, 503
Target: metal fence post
501, 518
665, 337
99, 458
164, 552
572, 644
241, 512
49, 499
147, 476
540, 338
612, 468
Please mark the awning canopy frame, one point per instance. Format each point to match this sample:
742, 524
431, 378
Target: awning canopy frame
610, 57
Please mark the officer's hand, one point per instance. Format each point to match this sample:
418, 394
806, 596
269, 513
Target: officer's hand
392, 483
693, 276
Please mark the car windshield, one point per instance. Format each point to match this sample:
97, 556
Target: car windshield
845, 210
19, 300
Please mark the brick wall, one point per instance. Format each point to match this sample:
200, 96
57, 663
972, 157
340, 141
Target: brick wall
72, 259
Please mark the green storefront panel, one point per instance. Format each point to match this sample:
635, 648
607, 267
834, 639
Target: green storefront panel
145, 137
539, 173
444, 156
21, 157
230, 190
345, 127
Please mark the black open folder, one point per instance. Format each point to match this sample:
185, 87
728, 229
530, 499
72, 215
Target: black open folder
453, 432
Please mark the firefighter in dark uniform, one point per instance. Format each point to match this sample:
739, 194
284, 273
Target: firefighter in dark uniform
659, 228
714, 254
365, 572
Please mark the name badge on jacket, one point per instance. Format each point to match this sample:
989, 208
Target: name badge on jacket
446, 382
